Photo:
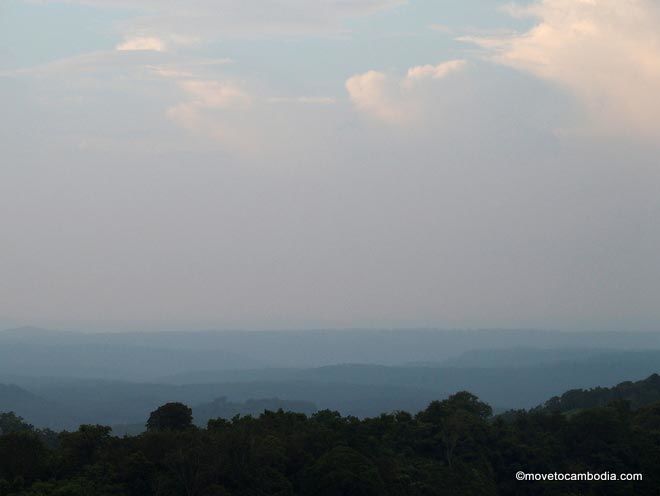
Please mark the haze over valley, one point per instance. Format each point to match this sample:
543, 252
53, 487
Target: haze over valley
329, 247
60, 379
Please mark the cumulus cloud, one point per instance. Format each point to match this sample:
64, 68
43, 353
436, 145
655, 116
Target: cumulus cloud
373, 93
422, 72
211, 109
216, 94
606, 52
393, 100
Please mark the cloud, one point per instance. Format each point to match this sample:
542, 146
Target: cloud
231, 115
186, 21
440, 71
605, 52
303, 100
215, 110
193, 93
234, 117
96, 71
373, 93
216, 94
142, 44
395, 101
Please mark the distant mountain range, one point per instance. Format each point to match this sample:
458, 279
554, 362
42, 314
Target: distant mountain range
61, 379
360, 390
637, 394
30, 406
148, 356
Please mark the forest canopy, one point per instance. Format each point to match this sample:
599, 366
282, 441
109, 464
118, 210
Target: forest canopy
453, 447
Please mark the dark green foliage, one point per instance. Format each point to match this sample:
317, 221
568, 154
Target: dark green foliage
84, 446
10, 423
222, 408
23, 456
342, 470
170, 417
454, 447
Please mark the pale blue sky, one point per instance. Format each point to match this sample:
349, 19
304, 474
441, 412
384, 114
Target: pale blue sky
330, 163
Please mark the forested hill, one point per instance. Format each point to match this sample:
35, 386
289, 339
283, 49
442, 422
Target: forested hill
637, 394
453, 447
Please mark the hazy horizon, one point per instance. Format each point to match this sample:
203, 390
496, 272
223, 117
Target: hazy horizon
324, 247
361, 164
172, 328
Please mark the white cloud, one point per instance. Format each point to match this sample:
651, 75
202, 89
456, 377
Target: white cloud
191, 21
606, 52
393, 100
194, 93
439, 71
216, 94
303, 100
116, 67
211, 110
142, 44
179, 69
90, 64
373, 93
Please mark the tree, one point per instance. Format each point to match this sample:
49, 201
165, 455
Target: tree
463, 401
344, 471
22, 456
170, 417
460, 420
82, 448
454, 447
10, 422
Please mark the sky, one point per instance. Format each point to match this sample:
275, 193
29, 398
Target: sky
287, 164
